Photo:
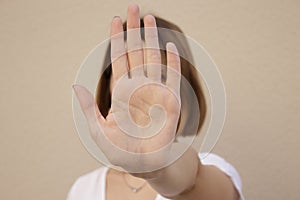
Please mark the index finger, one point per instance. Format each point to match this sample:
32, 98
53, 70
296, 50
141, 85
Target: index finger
118, 51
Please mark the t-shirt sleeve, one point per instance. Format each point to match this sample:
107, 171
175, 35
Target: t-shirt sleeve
224, 166
89, 186
70, 195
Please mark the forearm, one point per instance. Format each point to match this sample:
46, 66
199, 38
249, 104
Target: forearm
188, 179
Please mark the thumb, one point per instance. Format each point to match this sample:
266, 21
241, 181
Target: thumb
89, 107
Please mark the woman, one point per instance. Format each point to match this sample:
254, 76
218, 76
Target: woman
188, 177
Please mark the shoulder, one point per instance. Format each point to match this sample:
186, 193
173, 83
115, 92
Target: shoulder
225, 167
89, 185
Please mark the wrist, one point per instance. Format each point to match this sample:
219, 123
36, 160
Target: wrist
191, 173
148, 176
192, 184
179, 177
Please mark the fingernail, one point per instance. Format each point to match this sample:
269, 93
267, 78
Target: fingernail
172, 47
116, 16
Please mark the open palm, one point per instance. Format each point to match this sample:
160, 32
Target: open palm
145, 110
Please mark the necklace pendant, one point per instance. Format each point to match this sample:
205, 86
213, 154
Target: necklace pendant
135, 190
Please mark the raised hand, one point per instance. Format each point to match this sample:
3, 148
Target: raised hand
145, 110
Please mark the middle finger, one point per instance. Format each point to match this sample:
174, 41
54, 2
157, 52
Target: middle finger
134, 41
153, 57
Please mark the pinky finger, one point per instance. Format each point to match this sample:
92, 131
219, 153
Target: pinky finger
173, 67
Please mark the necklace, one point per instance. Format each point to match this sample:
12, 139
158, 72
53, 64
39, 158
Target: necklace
132, 188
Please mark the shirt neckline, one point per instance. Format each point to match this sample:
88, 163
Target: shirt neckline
103, 182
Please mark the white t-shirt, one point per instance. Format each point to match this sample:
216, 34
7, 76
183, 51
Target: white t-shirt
91, 186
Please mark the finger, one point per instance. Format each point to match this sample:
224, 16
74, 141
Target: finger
153, 57
173, 67
134, 41
90, 109
118, 52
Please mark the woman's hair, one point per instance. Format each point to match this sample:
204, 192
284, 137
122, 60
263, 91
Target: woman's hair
186, 123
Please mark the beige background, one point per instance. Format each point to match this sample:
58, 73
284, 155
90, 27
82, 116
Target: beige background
42, 44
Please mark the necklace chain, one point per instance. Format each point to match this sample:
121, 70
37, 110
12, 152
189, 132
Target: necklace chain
132, 188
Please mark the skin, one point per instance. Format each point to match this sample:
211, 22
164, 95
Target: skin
197, 181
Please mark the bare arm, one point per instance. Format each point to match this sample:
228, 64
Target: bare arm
188, 179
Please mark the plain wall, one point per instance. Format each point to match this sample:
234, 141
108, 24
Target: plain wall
42, 44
